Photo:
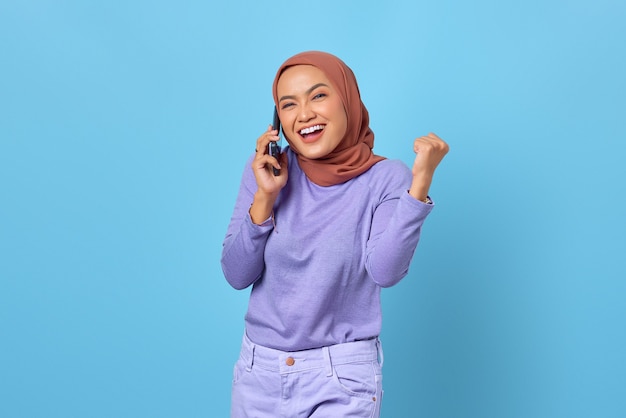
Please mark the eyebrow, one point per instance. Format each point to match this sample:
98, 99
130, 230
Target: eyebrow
307, 92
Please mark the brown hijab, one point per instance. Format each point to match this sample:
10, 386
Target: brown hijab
353, 156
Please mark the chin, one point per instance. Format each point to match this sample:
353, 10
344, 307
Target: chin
314, 154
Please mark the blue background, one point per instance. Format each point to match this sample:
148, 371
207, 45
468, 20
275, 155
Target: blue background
124, 128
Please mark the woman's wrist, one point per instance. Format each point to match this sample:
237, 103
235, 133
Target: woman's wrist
419, 189
262, 207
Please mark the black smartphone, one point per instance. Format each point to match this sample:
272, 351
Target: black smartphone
274, 147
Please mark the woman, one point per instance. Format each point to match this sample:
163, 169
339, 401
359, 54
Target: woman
317, 243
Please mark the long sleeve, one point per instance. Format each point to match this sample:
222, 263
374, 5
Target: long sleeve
244, 245
395, 233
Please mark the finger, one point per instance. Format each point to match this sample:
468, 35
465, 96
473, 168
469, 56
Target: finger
430, 142
421, 144
259, 146
272, 131
280, 163
263, 141
264, 164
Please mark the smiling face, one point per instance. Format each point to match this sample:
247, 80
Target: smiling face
311, 111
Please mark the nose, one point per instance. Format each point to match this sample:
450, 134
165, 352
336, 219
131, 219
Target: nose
306, 113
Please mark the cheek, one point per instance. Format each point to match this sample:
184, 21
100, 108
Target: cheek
341, 118
342, 124
288, 129
286, 122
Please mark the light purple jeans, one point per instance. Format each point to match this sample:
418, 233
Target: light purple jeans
342, 380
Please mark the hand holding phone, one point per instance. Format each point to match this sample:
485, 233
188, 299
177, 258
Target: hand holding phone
274, 147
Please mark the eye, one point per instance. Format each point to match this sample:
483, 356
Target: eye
286, 105
319, 96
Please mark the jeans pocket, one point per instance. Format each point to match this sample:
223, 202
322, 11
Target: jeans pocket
357, 379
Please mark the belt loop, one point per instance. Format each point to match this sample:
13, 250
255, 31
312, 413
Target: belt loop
381, 356
250, 358
329, 363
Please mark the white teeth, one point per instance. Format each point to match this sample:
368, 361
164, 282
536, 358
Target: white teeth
311, 129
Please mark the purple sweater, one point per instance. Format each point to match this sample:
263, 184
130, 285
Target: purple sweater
318, 272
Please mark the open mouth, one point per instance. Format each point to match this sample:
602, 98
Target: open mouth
312, 131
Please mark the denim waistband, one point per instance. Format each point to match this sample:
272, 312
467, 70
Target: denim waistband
255, 355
